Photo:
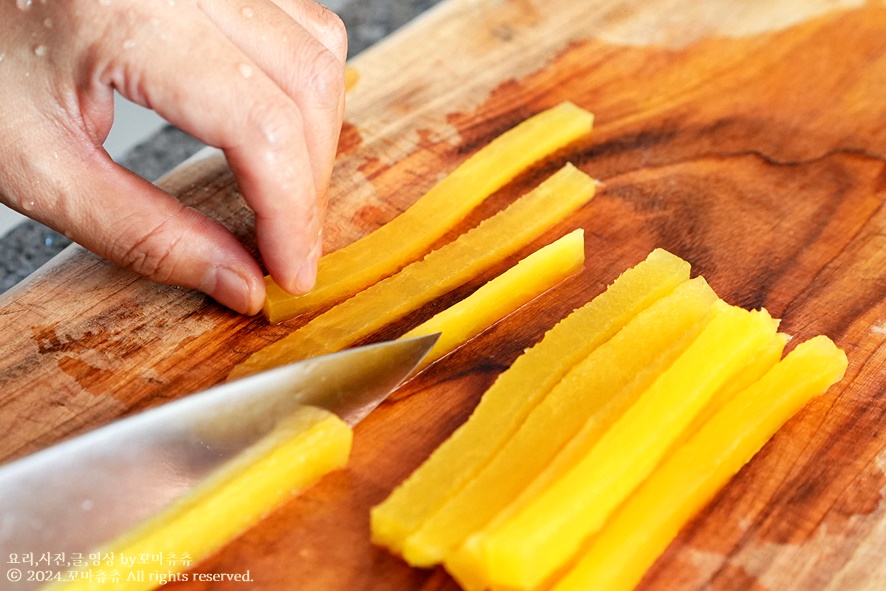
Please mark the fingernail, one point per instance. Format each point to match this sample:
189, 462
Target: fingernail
231, 289
306, 276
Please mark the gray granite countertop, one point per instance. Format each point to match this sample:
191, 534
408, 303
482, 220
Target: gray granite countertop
30, 244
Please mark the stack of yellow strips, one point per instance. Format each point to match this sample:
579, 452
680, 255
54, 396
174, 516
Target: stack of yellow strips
580, 478
513, 395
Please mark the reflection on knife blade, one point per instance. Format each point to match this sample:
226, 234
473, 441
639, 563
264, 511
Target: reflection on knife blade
83, 493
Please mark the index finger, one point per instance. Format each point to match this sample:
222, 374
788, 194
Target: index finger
307, 63
226, 100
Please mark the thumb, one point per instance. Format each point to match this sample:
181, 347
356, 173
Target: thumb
129, 221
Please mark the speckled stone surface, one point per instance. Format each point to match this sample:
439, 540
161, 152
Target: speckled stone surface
29, 245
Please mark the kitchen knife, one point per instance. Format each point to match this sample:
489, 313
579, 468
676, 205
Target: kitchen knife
84, 492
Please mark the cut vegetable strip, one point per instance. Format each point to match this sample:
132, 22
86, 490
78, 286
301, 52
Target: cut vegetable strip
404, 239
544, 535
594, 393
466, 564
516, 392
448, 267
520, 284
303, 448
754, 369
651, 518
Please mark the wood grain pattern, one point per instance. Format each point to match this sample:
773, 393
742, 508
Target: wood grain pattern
749, 141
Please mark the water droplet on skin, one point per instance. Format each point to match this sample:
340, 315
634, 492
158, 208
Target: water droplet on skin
2, 55
128, 44
247, 12
23, 4
40, 50
47, 22
28, 205
246, 70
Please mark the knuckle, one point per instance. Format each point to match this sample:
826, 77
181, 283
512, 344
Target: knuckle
277, 121
336, 35
332, 32
324, 77
152, 255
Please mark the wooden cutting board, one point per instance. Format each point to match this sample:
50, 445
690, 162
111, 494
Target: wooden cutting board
746, 137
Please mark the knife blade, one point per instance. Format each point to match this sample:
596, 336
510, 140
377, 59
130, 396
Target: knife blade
84, 492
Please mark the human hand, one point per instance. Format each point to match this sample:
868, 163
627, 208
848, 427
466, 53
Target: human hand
262, 80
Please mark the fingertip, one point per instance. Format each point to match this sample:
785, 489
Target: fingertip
300, 281
306, 277
290, 248
234, 288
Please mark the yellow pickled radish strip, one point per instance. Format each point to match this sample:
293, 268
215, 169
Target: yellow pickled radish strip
520, 284
442, 270
407, 237
303, 448
755, 368
544, 535
596, 391
352, 76
650, 519
515, 393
